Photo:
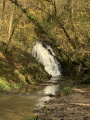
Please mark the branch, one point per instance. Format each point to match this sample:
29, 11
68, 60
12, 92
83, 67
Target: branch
33, 19
30, 16
63, 28
67, 35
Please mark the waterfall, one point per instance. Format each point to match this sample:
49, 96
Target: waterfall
47, 57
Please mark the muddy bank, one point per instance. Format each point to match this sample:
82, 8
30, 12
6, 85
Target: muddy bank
75, 106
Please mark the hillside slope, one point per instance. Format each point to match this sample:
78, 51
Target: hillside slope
18, 67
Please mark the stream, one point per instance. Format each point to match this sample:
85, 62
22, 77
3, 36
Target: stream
21, 106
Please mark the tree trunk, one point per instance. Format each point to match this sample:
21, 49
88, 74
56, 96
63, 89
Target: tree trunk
2, 16
3, 8
39, 24
73, 24
11, 29
63, 28
40, 13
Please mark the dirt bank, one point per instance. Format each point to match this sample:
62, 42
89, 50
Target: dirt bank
75, 106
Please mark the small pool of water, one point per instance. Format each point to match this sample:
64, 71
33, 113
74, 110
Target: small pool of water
21, 106
16, 107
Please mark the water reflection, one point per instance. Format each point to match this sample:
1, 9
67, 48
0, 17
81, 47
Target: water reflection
20, 107
51, 90
16, 107
48, 91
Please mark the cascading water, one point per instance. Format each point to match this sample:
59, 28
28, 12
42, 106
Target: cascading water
47, 57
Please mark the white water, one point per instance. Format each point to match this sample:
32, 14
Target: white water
47, 57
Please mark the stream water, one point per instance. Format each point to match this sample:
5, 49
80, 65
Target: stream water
21, 106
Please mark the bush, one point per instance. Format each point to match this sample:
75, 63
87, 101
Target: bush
68, 90
86, 79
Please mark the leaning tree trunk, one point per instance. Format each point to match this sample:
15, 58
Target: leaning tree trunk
61, 26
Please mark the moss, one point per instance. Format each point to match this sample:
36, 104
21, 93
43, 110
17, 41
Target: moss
4, 85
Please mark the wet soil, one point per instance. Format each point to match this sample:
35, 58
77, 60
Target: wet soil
75, 106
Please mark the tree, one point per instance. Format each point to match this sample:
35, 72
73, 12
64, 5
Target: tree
11, 28
58, 22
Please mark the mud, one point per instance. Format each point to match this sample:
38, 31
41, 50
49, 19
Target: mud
75, 106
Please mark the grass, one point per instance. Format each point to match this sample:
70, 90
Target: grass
7, 86
4, 85
68, 90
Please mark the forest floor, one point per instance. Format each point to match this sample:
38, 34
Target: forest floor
75, 106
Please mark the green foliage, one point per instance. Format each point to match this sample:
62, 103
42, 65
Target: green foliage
68, 90
86, 79
14, 86
44, 22
44, 108
4, 85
